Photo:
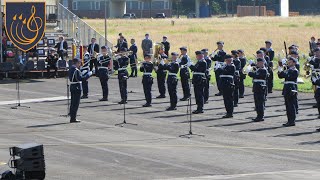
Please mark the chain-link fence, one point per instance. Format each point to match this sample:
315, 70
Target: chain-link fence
77, 29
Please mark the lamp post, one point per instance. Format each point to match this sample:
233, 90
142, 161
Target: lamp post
105, 23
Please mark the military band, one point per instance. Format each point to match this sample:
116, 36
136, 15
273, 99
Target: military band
230, 72
52, 60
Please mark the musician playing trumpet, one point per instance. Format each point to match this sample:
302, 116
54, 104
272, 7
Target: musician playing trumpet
183, 61
172, 80
103, 71
121, 64
290, 89
85, 68
147, 79
219, 58
161, 73
259, 75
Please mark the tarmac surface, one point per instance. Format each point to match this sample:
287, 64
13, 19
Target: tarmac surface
97, 149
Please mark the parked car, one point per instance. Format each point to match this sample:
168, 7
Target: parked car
129, 16
160, 15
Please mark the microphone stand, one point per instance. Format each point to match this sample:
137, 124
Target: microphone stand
189, 114
68, 96
18, 94
124, 109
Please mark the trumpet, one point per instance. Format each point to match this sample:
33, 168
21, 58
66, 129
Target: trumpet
213, 53
127, 53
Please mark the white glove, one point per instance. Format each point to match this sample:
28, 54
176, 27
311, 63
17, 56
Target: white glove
93, 71
189, 63
249, 69
313, 79
312, 67
84, 72
251, 62
179, 60
284, 61
162, 62
280, 69
90, 73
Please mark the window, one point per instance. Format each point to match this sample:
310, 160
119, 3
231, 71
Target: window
97, 5
166, 5
91, 5
157, 5
75, 5
134, 5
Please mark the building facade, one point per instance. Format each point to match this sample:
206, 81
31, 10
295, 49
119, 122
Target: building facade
116, 8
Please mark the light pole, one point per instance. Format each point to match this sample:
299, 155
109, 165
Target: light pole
105, 23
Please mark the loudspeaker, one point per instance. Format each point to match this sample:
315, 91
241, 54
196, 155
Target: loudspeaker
28, 164
27, 151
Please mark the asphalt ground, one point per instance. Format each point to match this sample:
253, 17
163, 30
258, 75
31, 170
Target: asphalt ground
97, 149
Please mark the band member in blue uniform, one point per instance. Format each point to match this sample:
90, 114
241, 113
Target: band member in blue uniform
199, 80
259, 75
316, 81
208, 75
166, 45
75, 78
243, 60
172, 80
237, 64
269, 67
147, 79
133, 58
184, 73
227, 73
85, 68
161, 74
121, 66
290, 89
103, 72
260, 54
219, 59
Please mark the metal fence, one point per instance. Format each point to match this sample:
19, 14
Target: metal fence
77, 29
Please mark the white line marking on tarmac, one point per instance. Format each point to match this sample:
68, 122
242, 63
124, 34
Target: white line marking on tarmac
127, 154
48, 99
314, 171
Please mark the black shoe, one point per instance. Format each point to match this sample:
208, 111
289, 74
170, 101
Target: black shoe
257, 120
241, 96
227, 116
315, 106
84, 97
318, 130
75, 121
206, 102
184, 99
131, 76
123, 102
103, 99
218, 94
319, 117
147, 105
288, 124
171, 108
235, 105
161, 97
270, 92
297, 112
197, 112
